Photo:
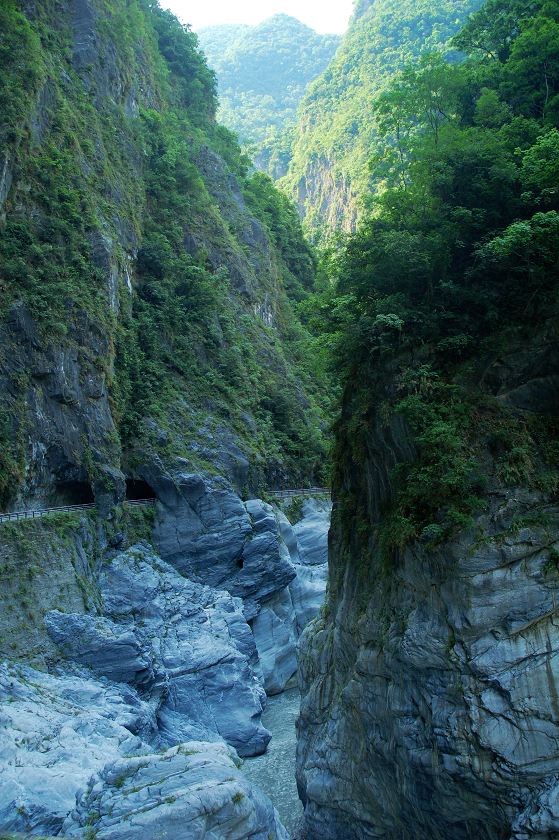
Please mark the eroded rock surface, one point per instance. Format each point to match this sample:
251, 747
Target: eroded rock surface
80, 757
284, 616
431, 690
206, 532
185, 645
55, 732
199, 793
158, 688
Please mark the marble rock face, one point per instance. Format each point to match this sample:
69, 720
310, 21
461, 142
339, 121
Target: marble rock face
192, 791
81, 757
432, 710
160, 688
210, 535
186, 646
284, 616
55, 733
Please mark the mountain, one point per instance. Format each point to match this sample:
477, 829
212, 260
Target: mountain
263, 73
154, 377
336, 133
148, 282
430, 679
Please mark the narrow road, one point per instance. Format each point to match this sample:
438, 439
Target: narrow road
17, 515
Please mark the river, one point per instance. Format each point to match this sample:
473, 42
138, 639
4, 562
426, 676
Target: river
274, 772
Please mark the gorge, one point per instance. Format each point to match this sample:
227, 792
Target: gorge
263, 469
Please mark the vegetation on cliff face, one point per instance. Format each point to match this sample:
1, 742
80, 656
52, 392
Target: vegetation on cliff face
263, 73
129, 214
446, 299
337, 128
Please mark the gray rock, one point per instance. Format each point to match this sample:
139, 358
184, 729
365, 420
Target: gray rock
430, 690
308, 593
104, 646
311, 533
55, 732
184, 644
67, 410
78, 759
275, 635
284, 616
191, 791
205, 531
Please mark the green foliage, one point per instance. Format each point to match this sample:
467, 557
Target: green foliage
263, 73
284, 226
194, 86
338, 126
491, 31
456, 261
540, 168
22, 71
123, 231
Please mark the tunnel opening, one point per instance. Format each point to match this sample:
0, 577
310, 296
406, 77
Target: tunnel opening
74, 493
138, 490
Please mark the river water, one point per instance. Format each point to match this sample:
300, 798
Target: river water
274, 772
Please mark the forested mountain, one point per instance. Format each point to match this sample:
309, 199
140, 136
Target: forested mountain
172, 347
336, 134
430, 705
147, 280
263, 72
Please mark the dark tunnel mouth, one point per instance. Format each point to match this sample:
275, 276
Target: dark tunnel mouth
74, 493
138, 490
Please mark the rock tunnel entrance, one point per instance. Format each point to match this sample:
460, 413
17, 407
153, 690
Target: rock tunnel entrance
74, 493
138, 490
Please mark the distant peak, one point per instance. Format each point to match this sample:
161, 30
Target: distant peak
281, 17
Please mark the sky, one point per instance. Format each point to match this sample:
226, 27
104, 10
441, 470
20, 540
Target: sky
322, 15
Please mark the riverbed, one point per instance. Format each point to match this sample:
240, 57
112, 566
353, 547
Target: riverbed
274, 772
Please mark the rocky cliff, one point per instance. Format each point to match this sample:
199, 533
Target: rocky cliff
128, 689
336, 135
146, 304
431, 680
431, 685
149, 349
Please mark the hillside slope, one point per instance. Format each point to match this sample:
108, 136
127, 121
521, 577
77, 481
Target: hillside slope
147, 280
263, 72
336, 134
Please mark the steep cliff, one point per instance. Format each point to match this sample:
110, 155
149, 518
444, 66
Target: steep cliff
337, 131
146, 300
431, 680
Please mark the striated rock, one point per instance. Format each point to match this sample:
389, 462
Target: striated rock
55, 732
311, 533
186, 645
66, 400
284, 616
308, 592
78, 759
206, 532
275, 635
431, 688
194, 790
99, 643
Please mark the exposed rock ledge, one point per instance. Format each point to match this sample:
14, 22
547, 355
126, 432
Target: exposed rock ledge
431, 705
161, 686
71, 732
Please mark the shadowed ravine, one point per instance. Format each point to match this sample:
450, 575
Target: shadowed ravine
274, 772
